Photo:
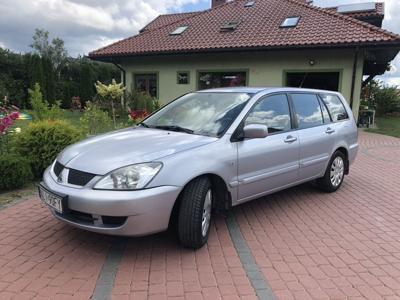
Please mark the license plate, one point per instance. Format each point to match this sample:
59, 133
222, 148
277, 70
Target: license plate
52, 200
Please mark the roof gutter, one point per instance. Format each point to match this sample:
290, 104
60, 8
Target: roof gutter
354, 76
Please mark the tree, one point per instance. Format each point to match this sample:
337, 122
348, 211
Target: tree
383, 98
55, 51
112, 93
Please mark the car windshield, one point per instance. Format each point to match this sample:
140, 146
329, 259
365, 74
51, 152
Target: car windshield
203, 113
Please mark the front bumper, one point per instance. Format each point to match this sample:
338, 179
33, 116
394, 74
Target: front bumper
141, 212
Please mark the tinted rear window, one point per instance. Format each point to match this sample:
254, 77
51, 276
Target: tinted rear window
308, 110
336, 107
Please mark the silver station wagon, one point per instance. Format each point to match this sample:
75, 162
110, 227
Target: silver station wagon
204, 152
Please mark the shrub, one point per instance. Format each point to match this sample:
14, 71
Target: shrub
136, 100
42, 141
40, 107
387, 100
94, 120
15, 172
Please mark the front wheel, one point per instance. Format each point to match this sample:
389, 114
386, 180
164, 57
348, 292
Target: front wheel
334, 174
195, 213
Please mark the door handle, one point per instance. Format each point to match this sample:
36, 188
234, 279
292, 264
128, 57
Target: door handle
290, 139
330, 130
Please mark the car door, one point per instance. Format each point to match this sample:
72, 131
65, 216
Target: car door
270, 163
316, 134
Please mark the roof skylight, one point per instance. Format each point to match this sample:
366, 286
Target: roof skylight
179, 30
250, 4
230, 26
290, 22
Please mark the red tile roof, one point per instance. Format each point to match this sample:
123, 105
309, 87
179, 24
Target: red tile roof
163, 20
259, 29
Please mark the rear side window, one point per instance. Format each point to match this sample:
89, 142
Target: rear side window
272, 111
308, 110
336, 107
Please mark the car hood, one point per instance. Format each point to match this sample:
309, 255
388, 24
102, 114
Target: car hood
103, 154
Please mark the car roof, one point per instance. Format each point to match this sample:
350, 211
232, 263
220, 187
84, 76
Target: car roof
256, 90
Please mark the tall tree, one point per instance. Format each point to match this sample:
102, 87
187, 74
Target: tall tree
54, 50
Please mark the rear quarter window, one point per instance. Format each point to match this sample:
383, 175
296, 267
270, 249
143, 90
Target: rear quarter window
335, 107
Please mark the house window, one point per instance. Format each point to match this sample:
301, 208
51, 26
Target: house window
207, 80
314, 80
147, 83
183, 77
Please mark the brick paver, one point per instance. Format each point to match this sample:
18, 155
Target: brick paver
345, 245
44, 259
309, 245
157, 267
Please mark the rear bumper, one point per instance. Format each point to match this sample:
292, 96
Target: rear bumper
353, 150
139, 213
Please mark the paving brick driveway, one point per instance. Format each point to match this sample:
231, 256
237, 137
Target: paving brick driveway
308, 245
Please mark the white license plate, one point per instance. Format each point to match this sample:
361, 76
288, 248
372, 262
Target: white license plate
51, 199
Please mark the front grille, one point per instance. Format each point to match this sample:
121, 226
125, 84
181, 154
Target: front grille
88, 220
79, 178
58, 168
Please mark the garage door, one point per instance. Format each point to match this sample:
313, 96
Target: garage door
314, 80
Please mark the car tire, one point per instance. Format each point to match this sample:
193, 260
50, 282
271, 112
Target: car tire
334, 174
195, 213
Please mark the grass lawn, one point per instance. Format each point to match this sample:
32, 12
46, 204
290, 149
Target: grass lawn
72, 117
388, 126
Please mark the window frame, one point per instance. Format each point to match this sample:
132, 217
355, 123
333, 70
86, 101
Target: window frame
294, 109
330, 114
237, 134
137, 73
177, 77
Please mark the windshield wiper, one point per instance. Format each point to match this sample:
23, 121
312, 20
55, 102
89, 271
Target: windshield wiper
175, 128
144, 125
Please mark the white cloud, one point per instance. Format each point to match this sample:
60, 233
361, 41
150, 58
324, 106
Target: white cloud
84, 24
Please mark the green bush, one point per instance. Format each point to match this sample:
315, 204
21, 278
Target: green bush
15, 172
387, 100
40, 107
94, 120
42, 141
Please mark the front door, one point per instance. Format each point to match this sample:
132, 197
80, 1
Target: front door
265, 165
316, 135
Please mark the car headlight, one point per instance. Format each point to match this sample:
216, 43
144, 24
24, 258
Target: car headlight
132, 177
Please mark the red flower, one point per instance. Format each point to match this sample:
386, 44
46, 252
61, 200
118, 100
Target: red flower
7, 121
14, 115
139, 114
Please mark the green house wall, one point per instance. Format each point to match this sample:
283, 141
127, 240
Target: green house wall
263, 68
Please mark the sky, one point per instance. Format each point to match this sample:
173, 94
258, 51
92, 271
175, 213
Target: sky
86, 25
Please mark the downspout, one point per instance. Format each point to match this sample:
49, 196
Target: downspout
353, 80
123, 72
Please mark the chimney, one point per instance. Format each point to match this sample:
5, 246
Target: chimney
215, 3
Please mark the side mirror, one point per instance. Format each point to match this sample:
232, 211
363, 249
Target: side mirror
255, 131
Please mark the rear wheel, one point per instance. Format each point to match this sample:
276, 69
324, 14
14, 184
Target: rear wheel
334, 174
195, 213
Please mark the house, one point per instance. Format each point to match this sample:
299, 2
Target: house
257, 43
